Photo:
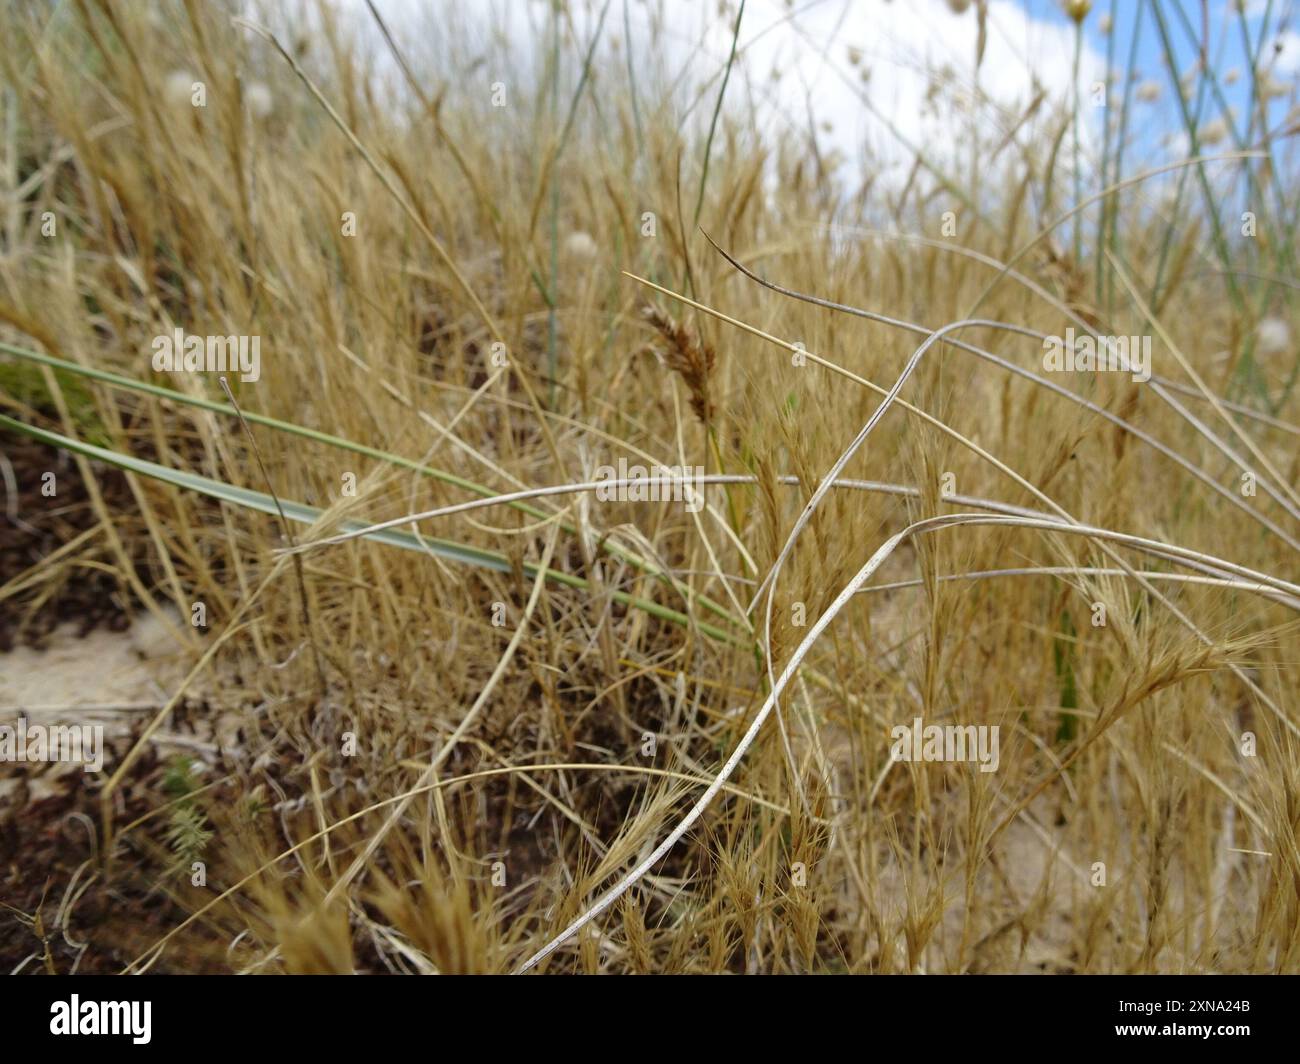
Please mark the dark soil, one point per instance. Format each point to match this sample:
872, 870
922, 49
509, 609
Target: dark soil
34, 525
50, 861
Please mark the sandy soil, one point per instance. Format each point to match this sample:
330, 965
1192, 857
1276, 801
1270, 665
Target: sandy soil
105, 677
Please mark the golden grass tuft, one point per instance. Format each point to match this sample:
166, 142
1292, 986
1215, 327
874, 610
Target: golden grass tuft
523, 700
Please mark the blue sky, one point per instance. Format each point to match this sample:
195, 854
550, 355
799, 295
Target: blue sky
1135, 37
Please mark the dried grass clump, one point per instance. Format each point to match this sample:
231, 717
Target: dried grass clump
453, 710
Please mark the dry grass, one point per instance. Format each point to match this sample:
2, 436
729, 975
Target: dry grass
499, 745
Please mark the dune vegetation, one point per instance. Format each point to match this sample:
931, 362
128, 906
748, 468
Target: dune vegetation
639, 539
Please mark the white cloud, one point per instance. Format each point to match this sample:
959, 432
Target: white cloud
1287, 51
909, 46
1255, 8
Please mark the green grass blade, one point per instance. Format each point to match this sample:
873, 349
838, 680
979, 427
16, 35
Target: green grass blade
301, 512
116, 380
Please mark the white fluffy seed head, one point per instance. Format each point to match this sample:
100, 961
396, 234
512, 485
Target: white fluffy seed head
258, 98
1273, 336
580, 245
1269, 88
1213, 133
178, 87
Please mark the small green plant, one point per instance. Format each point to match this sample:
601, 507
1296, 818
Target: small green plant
187, 826
24, 383
1063, 661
